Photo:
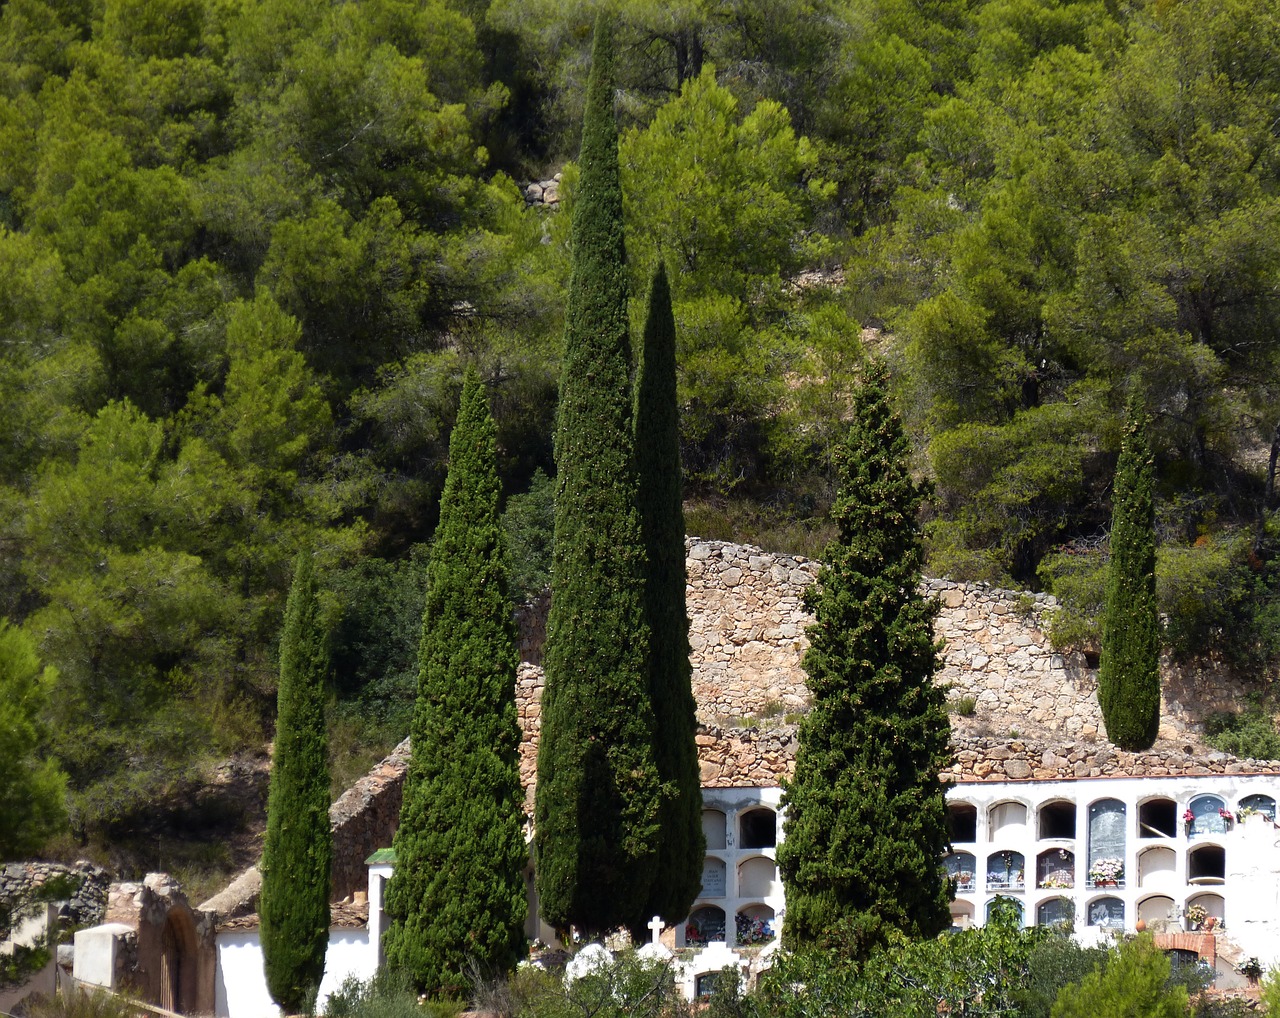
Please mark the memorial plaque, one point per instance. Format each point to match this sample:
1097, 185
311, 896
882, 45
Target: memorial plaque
713, 879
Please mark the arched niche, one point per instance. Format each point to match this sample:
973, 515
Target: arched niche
963, 869
714, 878
1056, 868
1105, 912
1158, 818
755, 925
1058, 911
1157, 865
704, 925
1006, 820
962, 914
758, 828
1207, 864
757, 878
1154, 909
1207, 815
1005, 871
1106, 839
1263, 804
714, 828
962, 823
1213, 904
1057, 820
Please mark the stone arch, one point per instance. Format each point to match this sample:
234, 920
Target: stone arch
1157, 865
1157, 817
177, 975
1264, 804
962, 822
758, 877
1207, 864
1007, 819
1207, 815
1155, 908
1056, 820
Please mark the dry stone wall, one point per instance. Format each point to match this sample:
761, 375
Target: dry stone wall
86, 905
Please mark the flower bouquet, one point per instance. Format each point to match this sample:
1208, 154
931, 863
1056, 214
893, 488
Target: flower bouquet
1106, 871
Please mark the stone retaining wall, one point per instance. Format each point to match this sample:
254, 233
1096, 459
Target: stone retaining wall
85, 907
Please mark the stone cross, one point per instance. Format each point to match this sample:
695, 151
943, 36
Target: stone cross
655, 924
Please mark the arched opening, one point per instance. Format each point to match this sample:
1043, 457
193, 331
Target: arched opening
714, 875
714, 828
1106, 844
1214, 907
758, 878
1157, 866
1157, 908
1006, 820
755, 925
1263, 804
1056, 867
759, 829
1207, 865
962, 823
962, 914
1058, 820
961, 868
1005, 871
1208, 816
1106, 912
1056, 912
1158, 818
705, 924
177, 963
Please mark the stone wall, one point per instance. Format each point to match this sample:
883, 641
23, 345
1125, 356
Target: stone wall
85, 907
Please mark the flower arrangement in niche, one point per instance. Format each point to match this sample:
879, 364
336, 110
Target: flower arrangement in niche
1244, 812
1196, 915
1059, 880
1225, 814
753, 929
1188, 817
1107, 871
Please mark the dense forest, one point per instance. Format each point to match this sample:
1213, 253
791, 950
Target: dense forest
249, 246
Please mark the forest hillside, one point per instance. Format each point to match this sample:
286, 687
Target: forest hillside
248, 246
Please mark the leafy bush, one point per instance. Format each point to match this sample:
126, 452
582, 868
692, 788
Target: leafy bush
386, 995
632, 987
530, 520
1251, 734
1078, 579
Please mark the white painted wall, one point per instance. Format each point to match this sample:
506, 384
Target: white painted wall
240, 990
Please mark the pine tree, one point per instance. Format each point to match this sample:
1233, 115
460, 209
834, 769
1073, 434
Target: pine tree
457, 896
598, 791
657, 442
294, 905
1129, 669
866, 812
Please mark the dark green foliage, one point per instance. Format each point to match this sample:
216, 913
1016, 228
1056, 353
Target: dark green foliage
295, 859
457, 897
1129, 670
387, 995
866, 811
657, 440
1250, 735
32, 786
1135, 982
597, 810
530, 521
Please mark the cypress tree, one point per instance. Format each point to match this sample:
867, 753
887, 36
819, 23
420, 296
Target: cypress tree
598, 792
457, 895
866, 812
657, 442
294, 905
1129, 669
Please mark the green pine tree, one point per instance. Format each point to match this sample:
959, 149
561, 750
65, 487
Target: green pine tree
294, 905
598, 790
457, 897
657, 442
866, 812
1129, 669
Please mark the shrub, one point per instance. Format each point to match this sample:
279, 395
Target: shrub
1251, 734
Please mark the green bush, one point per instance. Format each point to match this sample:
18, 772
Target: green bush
530, 522
386, 995
632, 987
1078, 579
1251, 734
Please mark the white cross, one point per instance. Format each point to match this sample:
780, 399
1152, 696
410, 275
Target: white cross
655, 924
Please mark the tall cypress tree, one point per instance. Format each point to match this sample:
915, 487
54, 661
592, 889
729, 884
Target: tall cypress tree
657, 442
1129, 669
598, 791
294, 905
457, 895
866, 812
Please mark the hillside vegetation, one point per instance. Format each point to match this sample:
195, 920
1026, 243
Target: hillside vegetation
247, 247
